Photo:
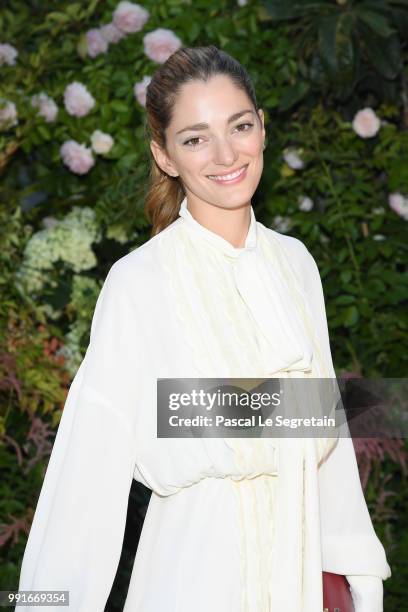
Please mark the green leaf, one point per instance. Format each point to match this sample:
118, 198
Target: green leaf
119, 106
44, 131
376, 22
58, 17
336, 45
293, 94
344, 299
327, 42
385, 55
345, 276
282, 9
350, 316
74, 9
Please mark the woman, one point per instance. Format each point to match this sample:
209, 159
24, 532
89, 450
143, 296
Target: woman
213, 293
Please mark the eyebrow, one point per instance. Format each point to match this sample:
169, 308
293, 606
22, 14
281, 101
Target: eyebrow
205, 126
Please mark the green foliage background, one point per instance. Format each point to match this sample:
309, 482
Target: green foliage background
314, 65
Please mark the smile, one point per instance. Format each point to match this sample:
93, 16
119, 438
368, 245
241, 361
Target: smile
226, 178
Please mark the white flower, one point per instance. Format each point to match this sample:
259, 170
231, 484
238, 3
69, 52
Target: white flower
111, 33
366, 123
77, 99
49, 222
77, 157
101, 142
118, 233
291, 157
242, 2
68, 240
46, 105
8, 114
378, 237
140, 89
399, 204
8, 54
305, 203
96, 42
282, 224
130, 17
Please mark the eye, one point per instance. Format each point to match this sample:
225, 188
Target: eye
244, 124
191, 140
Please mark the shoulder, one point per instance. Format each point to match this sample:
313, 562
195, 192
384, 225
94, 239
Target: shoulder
143, 263
295, 249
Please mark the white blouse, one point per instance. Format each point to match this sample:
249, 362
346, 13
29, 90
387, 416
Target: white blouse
225, 528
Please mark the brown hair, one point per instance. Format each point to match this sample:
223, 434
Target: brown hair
165, 193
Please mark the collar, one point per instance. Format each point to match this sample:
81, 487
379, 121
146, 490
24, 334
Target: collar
217, 240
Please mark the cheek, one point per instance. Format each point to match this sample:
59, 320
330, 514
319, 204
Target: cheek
195, 162
253, 146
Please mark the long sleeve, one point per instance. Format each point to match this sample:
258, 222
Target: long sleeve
350, 545
77, 531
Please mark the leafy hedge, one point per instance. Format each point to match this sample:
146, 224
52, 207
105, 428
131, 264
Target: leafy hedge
74, 166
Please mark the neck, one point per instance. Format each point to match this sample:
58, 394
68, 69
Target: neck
232, 224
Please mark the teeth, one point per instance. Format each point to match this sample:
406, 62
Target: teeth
227, 177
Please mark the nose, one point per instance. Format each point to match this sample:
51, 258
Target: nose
224, 153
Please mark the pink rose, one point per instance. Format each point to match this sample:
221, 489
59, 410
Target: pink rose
77, 157
160, 44
130, 17
77, 99
140, 90
399, 204
366, 123
111, 33
96, 43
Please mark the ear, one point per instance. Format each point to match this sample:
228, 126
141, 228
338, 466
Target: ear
262, 118
162, 159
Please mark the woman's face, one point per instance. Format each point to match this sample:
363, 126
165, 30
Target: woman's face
214, 131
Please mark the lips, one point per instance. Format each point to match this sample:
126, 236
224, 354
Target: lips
228, 176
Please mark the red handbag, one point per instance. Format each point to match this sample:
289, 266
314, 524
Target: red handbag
336, 593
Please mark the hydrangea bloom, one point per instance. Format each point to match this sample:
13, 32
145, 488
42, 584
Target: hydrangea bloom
160, 44
8, 114
111, 33
46, 106
130, 17
68, 240
77, 99
96, 42
101, 142
77, 157
8, 54
140, 90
